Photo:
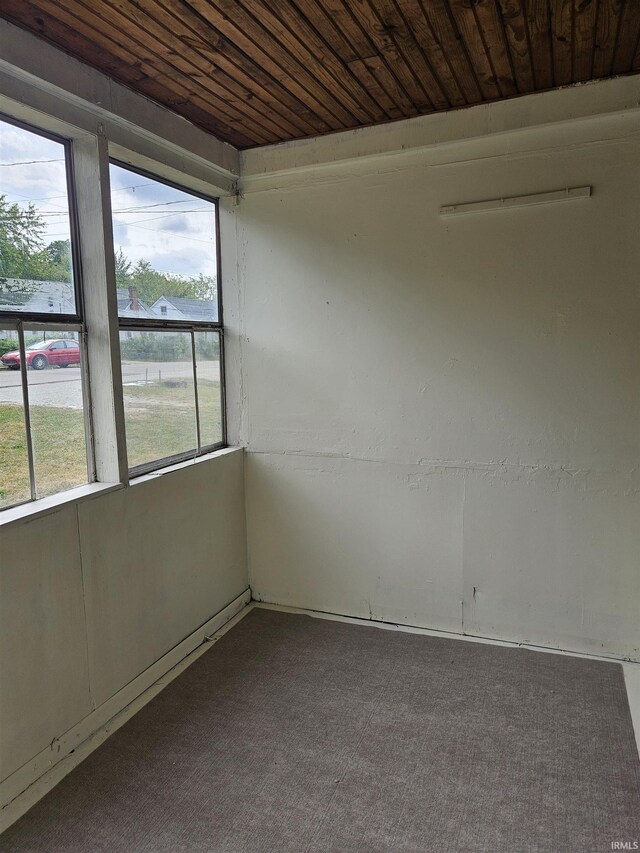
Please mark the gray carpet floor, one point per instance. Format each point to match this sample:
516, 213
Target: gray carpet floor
302, 734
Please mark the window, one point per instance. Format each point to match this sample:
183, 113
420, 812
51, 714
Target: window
43, 443
168, 296
58, 429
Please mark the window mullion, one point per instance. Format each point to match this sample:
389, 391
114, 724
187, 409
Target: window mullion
27, 411
195, 389
93, 207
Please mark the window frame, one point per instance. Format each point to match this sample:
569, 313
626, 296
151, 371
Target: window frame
19, 321
158, 324
74, 233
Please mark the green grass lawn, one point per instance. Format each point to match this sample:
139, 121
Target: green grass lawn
58, 449
160, 421
160, 418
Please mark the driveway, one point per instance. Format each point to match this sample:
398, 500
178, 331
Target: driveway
56, 386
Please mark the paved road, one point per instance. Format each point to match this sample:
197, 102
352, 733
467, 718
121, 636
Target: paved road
57, 386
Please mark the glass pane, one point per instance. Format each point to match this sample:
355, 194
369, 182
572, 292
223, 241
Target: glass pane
159, 398
56, 409
165, 250
209, 394
14, 460
36, 272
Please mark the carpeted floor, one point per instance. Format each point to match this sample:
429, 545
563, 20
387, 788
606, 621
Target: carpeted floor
302, 734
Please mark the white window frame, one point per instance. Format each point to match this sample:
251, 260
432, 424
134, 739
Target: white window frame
172, 153
192, 327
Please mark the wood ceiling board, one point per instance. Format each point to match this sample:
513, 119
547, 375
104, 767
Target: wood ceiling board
53, 28
337, 72
627, 42
276, 57
416, 18
562, 41
609, 18
519, 44
179, 77
214, 72
255, 72
584, 22
538, 17
446, 33
467, 24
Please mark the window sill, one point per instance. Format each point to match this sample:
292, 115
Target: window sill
185, 463
46, 506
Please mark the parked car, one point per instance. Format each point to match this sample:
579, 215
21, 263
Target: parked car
45, 353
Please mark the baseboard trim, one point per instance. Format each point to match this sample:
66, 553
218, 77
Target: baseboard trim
22, 790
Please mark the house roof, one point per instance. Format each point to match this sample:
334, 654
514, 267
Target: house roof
124, 305
37, 296
192, 309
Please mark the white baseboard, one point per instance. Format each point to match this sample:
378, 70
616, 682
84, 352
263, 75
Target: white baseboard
20, 791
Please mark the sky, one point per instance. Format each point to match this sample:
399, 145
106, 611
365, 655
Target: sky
173, 230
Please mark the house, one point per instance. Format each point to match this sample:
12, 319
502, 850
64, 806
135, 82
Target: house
374, 585
180, 308
37, 297
129, 305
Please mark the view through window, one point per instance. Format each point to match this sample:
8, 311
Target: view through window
167, 278
42, 422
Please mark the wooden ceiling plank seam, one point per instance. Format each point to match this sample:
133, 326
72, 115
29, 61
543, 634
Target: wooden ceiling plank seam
339, 12
411, 55
255, 93
419, 60
562, 38
514, 22
119, 38
58, 34
595, 38
360, 69
609, 14
64, 37
584, 36
469, 28
304, 33
447, 34
340, 38
627, 39
417, 98
635, 64
538, 15
378, 66
324, 25
320, 81
494, 36
221, 50
221, 85
243, 30
414, 14
375, 61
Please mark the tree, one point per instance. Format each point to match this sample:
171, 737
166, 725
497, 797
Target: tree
23, 254
123, 269
151, 284
21, 241
58, 260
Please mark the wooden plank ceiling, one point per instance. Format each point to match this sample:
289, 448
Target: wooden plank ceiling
255, 72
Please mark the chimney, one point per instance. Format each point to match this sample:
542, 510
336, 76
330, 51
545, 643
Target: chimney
133, 296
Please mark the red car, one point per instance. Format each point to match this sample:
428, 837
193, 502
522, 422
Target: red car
44, 353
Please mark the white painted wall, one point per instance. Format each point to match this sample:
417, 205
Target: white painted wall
95, 593
442, 415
